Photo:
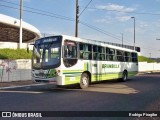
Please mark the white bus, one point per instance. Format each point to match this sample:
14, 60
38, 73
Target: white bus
65, 60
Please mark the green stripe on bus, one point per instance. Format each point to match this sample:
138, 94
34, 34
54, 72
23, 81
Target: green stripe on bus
100, 77
73, 73
72, 79
131, 74
86, 66
106, 76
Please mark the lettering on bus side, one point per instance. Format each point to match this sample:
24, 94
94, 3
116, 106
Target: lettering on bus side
110, 66
94, 65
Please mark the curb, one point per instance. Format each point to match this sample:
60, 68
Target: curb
10, 87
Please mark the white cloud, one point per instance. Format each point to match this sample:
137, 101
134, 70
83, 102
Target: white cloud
143, 24
103, 21
27, 0
106, 20
120, 13
141, 27
115, 7
123, 18
156, 23
109, 19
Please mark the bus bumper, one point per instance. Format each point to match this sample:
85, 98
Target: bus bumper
55, 80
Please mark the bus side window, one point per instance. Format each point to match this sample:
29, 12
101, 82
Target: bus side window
134, 57
95, 52
81, 50
107, 54
89, 52
85, 51
102, 53
120, 55
127, 56
110, 54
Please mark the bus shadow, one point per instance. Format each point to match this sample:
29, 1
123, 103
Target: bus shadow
111, 86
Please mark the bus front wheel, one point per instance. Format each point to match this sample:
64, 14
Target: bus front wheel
84, 82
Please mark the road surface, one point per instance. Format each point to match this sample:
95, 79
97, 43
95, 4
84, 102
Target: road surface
141, 93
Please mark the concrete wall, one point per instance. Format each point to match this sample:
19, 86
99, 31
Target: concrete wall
20, 70
148, 67
15, 70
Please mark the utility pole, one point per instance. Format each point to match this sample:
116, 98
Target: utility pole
77, 18
20, 28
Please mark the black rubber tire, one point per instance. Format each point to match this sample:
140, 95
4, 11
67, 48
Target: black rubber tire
125, 76
84, 82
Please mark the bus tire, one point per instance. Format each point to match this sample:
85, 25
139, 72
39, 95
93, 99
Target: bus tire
125, 76
84, 82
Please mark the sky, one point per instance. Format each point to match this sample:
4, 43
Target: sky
103, 20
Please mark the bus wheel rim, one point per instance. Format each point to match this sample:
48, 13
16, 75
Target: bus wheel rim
84, 81
125, 76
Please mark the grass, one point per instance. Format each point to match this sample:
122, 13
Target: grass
23, 54
145, 59
15, 54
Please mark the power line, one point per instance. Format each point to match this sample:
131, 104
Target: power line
64, 18
83, 23
115, 37
85, 7
61, 17
78, 15
100, 30
40, 10
90, 26
103, 32
69, 19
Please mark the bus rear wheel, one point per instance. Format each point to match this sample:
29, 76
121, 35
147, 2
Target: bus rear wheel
84, 82
125, 76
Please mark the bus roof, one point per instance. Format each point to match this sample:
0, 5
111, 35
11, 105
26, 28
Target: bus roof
99, 43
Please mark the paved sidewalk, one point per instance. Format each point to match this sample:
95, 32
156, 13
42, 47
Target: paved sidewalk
16, 83
30, 82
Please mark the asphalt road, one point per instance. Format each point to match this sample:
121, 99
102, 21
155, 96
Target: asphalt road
141, 93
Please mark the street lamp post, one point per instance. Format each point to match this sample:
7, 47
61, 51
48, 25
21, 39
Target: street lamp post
134, 31
150, 55
122, 39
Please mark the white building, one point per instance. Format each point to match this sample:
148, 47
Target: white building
9, 32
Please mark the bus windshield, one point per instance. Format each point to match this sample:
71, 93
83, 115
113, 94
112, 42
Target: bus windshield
47, 53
